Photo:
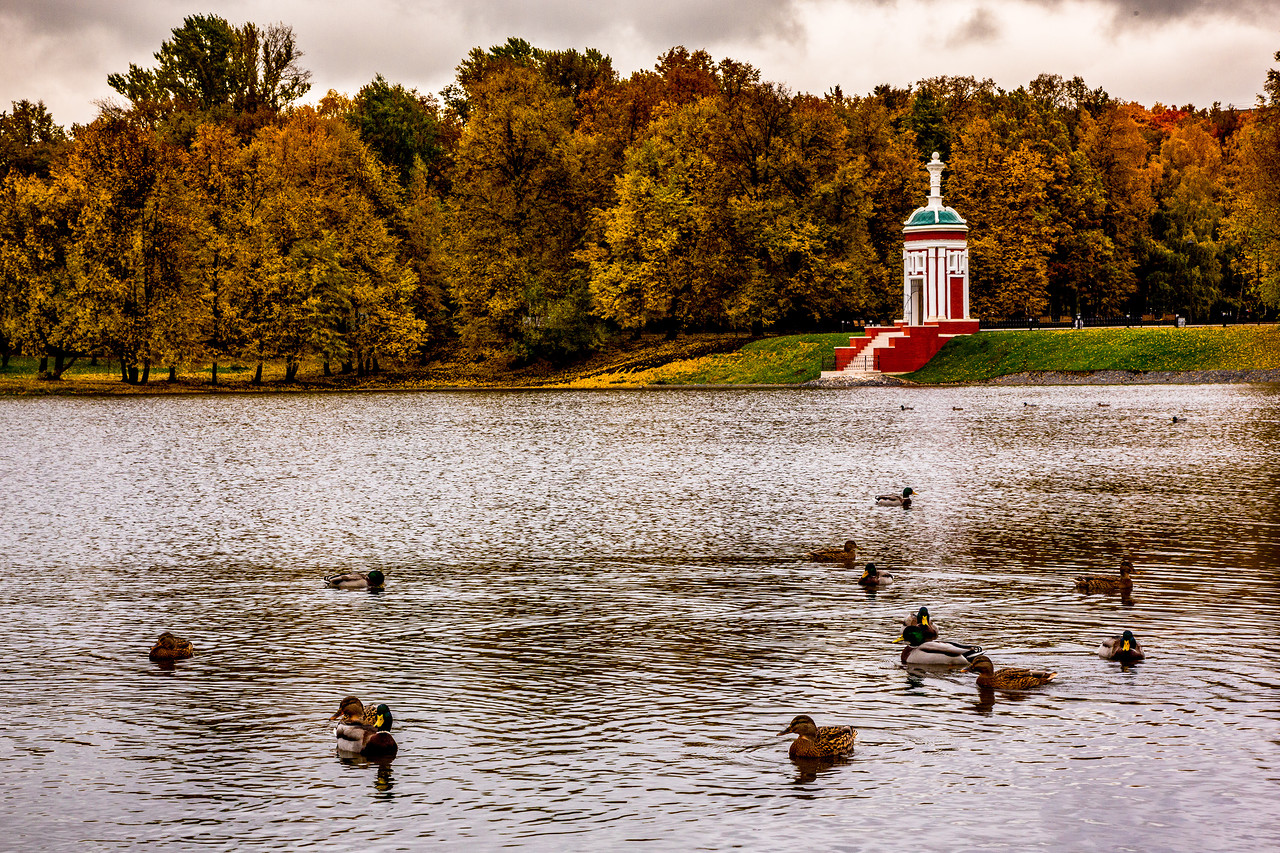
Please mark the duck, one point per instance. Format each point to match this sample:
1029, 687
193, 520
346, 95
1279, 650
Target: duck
169, 647
925, 652
920, 619
1124, 648
1107, 583
355, 735
871, 576
1010, 678
357, 580
903, 500
813, 741
378, 716
906, 408
835, 555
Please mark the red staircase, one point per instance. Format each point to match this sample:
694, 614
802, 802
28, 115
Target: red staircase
901, 348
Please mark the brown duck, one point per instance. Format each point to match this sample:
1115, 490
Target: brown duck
836, 555
1108, 583
169, 647
1010, 678
813, 741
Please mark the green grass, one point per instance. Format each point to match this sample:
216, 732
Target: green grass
986, 355
787, 360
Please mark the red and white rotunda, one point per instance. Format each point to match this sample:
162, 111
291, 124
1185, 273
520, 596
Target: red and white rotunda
935, 293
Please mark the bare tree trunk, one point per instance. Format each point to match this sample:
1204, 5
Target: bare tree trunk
257, 375
213, 374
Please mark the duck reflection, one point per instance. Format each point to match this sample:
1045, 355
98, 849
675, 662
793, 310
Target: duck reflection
383, 780
807, 769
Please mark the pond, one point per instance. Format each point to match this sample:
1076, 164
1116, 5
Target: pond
598, 615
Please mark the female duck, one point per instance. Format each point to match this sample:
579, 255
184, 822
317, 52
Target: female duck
1124, 648
813, 741
1010, 678
872, 577
836, 555
1107, 583
351, 708
357, 580
169, 647
903, 500
925, 652
372, 740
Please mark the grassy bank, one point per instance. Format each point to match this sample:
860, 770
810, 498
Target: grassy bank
452, 368
785, 360
721, 360
987, 355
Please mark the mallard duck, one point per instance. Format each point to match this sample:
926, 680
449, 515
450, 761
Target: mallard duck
357, 580
836, 555
871, 576
903, 500
923, 652
370, 739
1124, 648
351, 708
920, 619
813, 741
1010, 678
1107, 583
169, 647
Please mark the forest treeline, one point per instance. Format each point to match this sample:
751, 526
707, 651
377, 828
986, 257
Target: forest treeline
543, 203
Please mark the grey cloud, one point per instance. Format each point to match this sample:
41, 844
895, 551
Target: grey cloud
982, 26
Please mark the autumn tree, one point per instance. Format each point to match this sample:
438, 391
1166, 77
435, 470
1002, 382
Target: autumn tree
317, 269
211, 66
1255, 195
400, 126
30, 142
41, 312
1186, 258
1117, 155
1000, 182
515, 219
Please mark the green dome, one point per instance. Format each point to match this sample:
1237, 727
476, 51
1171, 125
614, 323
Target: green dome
943, 216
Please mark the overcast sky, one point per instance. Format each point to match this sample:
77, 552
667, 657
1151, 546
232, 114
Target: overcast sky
1168, 51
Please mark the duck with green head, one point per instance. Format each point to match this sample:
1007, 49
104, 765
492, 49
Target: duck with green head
364, 730
813, 741
923, 651
920, 619
1009, 678
903, 500
1124, 648
357, 580
871, 576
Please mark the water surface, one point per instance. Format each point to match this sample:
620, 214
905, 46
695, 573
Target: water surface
598, 615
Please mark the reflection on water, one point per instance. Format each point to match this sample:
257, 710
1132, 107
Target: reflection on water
598, 614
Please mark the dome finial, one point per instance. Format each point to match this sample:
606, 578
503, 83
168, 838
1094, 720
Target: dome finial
935, 167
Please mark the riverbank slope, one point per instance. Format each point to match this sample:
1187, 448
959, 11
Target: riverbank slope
1089, 356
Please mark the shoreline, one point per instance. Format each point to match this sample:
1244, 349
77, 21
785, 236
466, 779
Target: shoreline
1029, 378
1074, 377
